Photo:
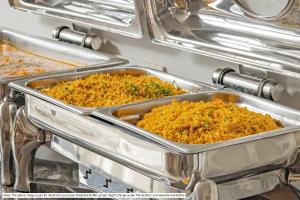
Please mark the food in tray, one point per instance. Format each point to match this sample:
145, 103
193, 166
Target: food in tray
105, 90
16, 63
205, 122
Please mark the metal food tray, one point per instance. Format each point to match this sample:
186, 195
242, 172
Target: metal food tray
122, 115
180, 166
59, 51
33, 86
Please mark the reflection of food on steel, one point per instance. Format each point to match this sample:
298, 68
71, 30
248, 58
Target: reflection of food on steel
104, 90
16, 63
180, 3
205, 122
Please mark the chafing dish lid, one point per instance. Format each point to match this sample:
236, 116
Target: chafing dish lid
261, 33
119, 16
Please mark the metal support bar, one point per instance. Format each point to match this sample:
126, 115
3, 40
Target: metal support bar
26, 139
7, 114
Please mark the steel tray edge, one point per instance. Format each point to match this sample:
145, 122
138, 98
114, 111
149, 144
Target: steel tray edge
106, 114
21, 85
110, 60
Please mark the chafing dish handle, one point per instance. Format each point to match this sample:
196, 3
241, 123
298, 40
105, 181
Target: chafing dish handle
261, 87
26, 139
293, 178
205, 190
65, 34
8, 111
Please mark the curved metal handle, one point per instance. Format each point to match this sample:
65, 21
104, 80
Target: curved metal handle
205, 190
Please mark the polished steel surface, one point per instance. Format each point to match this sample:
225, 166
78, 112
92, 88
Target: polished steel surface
8, 111
118, 16
82, 58
112, 142
26, 138
126, 116
180, 166
64, 33
96, 169
33, 86
263, 33
261, 87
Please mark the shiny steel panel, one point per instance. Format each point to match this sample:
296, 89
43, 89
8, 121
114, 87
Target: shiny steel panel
85, 59
112, 142
261, 33
179, 167
33, 86
206, 189
203, 190
126, 116
118, 16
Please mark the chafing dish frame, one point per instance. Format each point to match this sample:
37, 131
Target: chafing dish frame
82, 59
173, 165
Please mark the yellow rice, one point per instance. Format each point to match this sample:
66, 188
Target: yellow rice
205, 122
104, 90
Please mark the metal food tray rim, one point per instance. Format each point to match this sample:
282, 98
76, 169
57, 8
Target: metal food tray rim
107, 114
110, 60
21, 85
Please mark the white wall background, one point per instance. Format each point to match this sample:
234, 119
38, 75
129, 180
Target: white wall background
140, 51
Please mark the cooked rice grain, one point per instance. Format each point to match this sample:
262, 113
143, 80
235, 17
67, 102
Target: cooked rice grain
104, 90
205, 122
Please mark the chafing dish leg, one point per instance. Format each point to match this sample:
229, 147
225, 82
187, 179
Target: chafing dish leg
205, 190
7, 114
26, 139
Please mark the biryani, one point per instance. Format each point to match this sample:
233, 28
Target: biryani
105, 90
205, 122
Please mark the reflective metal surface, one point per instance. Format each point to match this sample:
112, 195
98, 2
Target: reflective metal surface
83, 58
110, 141
65, 34
33, 86
266, 9
180, 166
8, 111
262, 33
97, 171
126, 116
261, 87
118, 16
26, 138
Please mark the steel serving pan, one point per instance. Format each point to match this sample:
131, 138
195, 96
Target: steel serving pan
82, 58
122, 115
33, 86
85, 59
173, 164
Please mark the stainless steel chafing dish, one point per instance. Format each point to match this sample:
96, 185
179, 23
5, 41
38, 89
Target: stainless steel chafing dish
114, 155
38, 103
82, 59
173, 165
